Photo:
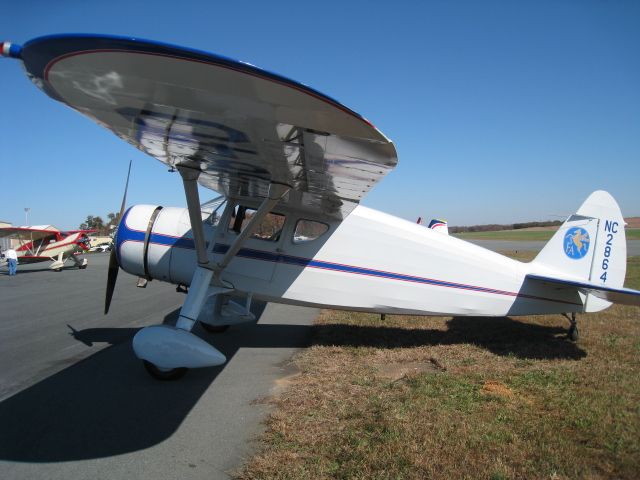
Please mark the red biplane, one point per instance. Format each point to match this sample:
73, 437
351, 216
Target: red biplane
47, 243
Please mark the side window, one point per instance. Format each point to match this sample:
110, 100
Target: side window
269, 229
308, 230
43, 242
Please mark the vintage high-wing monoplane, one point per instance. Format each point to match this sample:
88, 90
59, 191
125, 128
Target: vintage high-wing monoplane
293, 165
47, 243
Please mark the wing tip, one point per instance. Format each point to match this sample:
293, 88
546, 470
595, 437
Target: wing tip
10, 50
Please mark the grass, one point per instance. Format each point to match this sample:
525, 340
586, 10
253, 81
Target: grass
441, 397
632, 233
518, 235
528, 235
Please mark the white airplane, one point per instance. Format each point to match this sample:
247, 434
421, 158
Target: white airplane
46, 243
293, 165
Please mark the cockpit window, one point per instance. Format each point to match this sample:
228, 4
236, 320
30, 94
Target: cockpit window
269, 229
308, 230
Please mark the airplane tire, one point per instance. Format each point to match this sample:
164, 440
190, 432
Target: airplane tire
57, 269
164, 375
82, 267
573, 334
214, 328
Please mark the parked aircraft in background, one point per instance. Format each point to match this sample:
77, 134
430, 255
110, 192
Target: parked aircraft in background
46, 243
293, 165
102, 247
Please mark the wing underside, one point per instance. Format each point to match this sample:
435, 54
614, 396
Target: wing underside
243, 127
25, 234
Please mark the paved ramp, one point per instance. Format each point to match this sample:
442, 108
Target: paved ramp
76, 403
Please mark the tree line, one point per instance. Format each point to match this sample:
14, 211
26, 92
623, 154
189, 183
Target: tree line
97, 223
510, 226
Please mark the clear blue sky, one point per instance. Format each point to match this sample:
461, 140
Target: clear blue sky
501, 111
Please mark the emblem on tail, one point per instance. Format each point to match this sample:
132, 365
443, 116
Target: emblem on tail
576, 243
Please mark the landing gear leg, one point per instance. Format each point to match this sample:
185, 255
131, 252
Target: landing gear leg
81, 264
573, 333
168, 351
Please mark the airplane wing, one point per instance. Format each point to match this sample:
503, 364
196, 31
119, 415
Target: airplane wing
625, 296
25, 233
242, 126
69, 232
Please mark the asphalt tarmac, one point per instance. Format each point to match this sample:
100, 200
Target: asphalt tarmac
75, 403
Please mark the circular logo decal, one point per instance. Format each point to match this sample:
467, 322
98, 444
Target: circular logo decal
576, 243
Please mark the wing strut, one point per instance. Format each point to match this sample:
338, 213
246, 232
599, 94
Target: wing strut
190, 182
276, 192
201, 289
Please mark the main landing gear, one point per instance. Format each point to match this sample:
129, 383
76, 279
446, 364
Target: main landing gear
58, 264
166, 351
81, 264
572, 333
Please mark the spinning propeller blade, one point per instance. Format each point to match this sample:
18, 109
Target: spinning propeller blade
112, 273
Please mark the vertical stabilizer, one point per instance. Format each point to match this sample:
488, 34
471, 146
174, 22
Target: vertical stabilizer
590, 246
439, 226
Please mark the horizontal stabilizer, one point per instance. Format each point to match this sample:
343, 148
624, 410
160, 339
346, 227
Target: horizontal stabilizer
625, 296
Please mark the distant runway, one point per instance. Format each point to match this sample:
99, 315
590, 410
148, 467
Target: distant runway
633, 246
75, 403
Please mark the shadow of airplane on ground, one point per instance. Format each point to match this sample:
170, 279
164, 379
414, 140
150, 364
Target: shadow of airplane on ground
44, 267
107, 405
500, 335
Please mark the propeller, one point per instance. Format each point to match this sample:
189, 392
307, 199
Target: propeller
112, 273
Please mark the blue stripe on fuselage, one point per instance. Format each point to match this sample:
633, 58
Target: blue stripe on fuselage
249, 253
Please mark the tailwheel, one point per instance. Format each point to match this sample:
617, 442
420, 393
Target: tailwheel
82, 267
573, 333
164, 374
214, 328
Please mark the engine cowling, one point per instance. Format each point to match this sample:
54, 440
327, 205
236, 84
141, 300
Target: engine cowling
157, 243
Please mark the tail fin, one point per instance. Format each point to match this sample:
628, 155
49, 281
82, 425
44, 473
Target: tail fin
439, 226
590, 246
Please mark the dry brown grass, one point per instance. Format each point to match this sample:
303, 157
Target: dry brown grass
420, 397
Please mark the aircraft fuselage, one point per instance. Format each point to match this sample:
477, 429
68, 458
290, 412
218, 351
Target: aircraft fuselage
370, 261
